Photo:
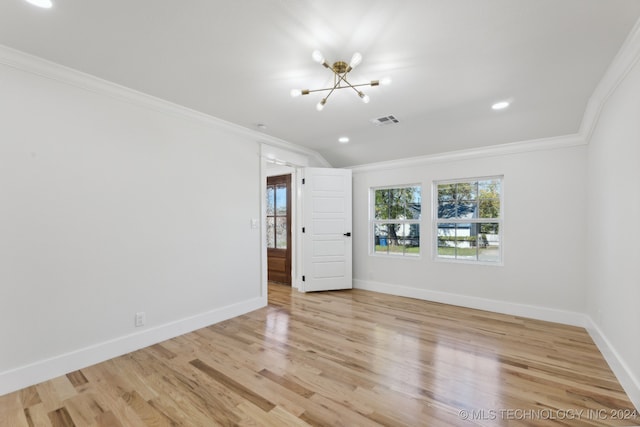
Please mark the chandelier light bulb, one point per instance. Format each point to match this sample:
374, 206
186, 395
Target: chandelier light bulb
365, 98
295, 93
356, 59
317, 56
385, 81
320, 105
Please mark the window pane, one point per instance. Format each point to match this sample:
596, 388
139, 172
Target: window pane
466, 209
270, 200
413, 204
271, 233
446, 210
466, 191
489, 193
466, 241
281, 199
489, 208
490, 186
281, 232
489, 243
446, 192
381, 237
394, 243
447, 201
446, 240
410, 239
397, 197
382, 204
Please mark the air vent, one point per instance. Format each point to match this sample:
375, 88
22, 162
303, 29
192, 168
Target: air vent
385, 120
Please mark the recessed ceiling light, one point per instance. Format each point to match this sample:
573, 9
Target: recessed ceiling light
500, 105
45, 4
343, 139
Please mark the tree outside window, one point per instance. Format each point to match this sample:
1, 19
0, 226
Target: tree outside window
396, 220
468, 224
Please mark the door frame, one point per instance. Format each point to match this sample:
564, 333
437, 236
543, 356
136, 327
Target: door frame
296, 244
282, 158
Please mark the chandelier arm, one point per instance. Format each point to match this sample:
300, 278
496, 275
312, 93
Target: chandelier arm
307, 91
321, 90
344, 79
362, 84
336, 86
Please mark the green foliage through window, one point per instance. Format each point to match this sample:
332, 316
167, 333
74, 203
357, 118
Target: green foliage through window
468, 225
396, 220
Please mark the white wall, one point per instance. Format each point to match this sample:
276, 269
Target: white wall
109, 207
544, 234
614, 225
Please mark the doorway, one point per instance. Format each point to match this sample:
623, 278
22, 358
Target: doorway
278, 202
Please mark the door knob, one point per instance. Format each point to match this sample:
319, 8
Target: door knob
348, 234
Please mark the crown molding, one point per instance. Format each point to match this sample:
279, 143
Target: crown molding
542, 144
41, 67
626, 58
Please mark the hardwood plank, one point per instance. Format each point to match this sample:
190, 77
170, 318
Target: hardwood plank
37, 416
14, 418
108, 419
77, 378
53, 392
284, 382
147, 413
61, 418
84, 408
29, 397
341, 358
234, 386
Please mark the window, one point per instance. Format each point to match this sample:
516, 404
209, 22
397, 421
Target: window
468, 220
396, 220
277, 213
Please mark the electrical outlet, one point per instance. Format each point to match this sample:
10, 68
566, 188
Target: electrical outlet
254, 223
141, 318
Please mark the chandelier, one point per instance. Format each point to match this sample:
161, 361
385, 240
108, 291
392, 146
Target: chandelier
340, 70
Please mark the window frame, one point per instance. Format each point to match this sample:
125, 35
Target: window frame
373, 222
436, 221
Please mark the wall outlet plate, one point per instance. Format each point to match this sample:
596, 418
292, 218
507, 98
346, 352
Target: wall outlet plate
141, 318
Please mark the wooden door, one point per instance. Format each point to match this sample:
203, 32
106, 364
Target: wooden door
326, 220
279, 228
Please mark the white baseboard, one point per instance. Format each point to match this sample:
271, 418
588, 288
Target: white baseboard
620, 368
47, 369
625, 376
504, 307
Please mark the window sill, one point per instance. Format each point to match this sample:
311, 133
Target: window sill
468, 262
393, 256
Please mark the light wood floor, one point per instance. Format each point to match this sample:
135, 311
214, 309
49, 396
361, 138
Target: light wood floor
350, 358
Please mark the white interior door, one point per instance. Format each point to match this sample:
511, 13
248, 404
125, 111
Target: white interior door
326, 223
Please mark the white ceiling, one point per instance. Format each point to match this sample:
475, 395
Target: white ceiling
449, 61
